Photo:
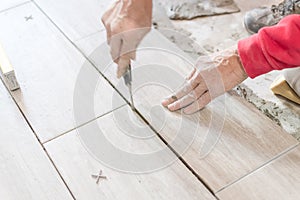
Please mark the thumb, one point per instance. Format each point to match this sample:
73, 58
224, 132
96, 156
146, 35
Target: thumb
123, 65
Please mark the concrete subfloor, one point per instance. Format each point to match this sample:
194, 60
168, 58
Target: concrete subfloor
214, 33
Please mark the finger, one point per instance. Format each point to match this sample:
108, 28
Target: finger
130, 43
108, 17
189, 98
191, 74
184, 90
123, 65
132, 39
108, 34
115, 47
198, 105
127, 52
132, 54
110, 10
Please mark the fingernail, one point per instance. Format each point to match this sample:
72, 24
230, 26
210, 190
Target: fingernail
171, 107
164, 102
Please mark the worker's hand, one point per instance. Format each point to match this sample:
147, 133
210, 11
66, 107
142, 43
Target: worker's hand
126, 23
217, 74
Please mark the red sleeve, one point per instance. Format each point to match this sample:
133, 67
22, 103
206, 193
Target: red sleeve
273, 48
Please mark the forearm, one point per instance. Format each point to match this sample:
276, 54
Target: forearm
273, 48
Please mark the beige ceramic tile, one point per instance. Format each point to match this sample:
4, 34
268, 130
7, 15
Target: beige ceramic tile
278, 180
7, 4
25, 170
223, 142
75, 156
54, 77
77, 19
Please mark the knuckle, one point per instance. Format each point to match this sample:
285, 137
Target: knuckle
193, 95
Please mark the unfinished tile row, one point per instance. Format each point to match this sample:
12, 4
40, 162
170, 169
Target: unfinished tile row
48, 68
26, 171
278, 180
228, 139
220, 151
75, 149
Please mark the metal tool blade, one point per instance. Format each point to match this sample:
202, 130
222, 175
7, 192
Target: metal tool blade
128, 82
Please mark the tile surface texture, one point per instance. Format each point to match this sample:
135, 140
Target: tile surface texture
277, 180
76, 149
223, 142
26, 172
227, 141
48, 68
77, 19
10, 4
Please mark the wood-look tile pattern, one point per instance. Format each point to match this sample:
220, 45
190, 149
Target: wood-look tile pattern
6, 4
77, 19
72, 149
25, 170
222, 143
229, 140
278, 180
47, 67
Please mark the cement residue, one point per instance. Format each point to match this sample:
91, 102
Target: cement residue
183, 40
189, 9
284, 117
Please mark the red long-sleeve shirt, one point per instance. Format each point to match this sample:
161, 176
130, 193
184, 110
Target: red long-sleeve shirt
273, 48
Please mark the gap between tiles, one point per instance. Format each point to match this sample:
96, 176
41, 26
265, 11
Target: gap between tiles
79, 50
161, 138
41, 144
15, 6
89, 35
260, 167
85, 123
185, 163
137, 112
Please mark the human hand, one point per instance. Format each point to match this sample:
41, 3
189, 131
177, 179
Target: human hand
222, 72
126, 23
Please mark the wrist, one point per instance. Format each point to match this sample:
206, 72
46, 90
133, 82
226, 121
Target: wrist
231, 69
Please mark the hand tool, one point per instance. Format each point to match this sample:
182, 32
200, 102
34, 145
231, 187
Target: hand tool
128, 82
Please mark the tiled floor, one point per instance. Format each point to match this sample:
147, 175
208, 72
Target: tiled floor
9, 4
70, 119
221, 32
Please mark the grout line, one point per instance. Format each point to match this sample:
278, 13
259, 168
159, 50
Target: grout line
85, 123
160, 137
152, 128
89, 35
175, 152
27, 121
15, 6
283, 153
80, 51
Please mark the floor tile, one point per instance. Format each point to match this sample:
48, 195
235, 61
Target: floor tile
278, 180
25, 170
77, 19
54, 77
78, 154
227, 140
6, 4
